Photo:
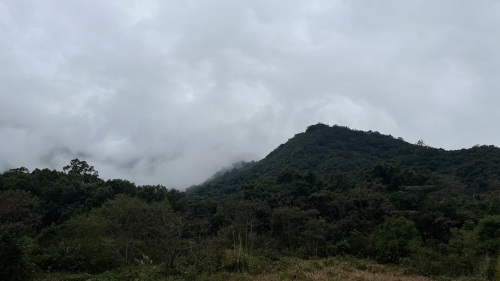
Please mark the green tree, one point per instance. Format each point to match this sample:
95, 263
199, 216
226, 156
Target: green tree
462, 251
81, 168
127, 221
14, 264
20, 206
398, 239
287, 225
488, 234
78, 245
314, 238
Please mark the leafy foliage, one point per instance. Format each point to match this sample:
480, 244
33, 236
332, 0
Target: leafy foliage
14, 264
399, 238
328, 191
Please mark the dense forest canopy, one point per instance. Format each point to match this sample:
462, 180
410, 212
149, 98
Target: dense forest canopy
330, 191
328, 151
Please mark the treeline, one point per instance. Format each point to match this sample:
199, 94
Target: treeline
73, 221
328, 150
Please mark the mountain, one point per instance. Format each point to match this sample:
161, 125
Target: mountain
329, 150
327, 192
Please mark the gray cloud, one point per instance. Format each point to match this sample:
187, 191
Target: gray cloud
161, 92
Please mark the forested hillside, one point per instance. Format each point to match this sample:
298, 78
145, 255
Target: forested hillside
328, 192
329, 151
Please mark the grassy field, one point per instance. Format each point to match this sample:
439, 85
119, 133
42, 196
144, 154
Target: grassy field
333, 269
338, 270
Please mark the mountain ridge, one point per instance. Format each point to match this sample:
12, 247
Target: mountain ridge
328, 150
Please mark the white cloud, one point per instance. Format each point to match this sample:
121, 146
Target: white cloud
166, 92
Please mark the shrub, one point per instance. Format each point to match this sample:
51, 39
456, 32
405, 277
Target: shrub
398, 239
14, 263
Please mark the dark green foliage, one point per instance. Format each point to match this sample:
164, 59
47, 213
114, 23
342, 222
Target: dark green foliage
22, 207
78, 167
78, 246
330, 150
288, 225
151, 193
399, 238
14, 264
394, 176
488, 232
327, 191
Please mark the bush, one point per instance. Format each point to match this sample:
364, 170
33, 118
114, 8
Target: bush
14, 263
236, 261
78, 246
398, 239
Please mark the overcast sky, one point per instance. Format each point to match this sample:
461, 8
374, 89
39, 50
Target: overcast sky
168, 92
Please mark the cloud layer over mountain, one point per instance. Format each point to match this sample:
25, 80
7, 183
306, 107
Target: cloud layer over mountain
168, 92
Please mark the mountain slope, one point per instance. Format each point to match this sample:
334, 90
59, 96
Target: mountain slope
327, 150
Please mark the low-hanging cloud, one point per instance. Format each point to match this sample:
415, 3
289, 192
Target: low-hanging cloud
166, 92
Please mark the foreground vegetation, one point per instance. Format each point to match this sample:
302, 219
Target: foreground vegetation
414, 220
332, 269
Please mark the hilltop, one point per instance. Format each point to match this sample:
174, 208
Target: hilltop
332, 150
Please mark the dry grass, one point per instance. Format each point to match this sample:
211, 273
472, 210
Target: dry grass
334, 270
